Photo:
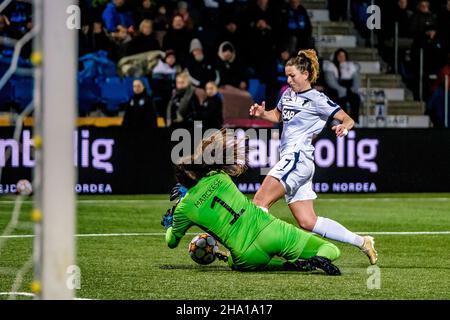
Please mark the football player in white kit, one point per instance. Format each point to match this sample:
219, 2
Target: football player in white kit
304, 112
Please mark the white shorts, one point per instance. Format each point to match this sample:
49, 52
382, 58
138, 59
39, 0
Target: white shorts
295, 174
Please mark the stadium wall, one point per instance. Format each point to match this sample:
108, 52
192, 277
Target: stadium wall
111, 161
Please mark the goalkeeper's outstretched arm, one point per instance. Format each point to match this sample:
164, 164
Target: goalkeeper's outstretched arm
181, 224
171, 239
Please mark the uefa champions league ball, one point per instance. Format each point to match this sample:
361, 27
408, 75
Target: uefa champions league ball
203, 248
23, 187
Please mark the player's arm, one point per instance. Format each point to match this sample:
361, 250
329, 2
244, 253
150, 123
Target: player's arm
259, 111
346, 124
330, 112
177, 230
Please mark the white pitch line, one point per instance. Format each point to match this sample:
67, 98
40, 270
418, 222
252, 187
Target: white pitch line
149, 201
25, 294
105, 202
388, 199
18, 236
407, 232
86, 235
29, 294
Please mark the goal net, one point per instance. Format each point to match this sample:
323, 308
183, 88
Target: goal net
50, 217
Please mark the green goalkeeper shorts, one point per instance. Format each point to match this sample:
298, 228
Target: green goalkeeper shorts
284, 240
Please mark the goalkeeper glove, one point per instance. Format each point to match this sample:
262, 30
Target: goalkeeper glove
167, 219
179, 191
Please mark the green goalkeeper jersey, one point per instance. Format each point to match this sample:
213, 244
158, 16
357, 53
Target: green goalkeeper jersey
217, 206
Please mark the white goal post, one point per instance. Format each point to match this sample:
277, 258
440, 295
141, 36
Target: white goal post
55, 173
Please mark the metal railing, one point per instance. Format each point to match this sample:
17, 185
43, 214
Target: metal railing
396, 48
446, 101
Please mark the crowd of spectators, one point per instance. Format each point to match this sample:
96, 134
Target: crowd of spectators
228, 42
423, 28
214, 43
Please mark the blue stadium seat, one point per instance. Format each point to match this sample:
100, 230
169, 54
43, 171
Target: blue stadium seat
88, 96
6, 96
113, 93
23, 91
257, 90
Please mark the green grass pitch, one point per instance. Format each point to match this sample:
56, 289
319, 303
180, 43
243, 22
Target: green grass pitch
412, 266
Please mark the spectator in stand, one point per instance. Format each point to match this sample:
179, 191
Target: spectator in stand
117, 14
422, 19
233, 33
163, 80
297, 28
210, 14
337, 9
84, 40
220, 10
320, 84
94, 39
19, 15
434, 59
262, 57
342, 76
262, 9
183, 108
100, 40
139, 122
443, 72
401, 14
92, 10
182, 10
436, 104
444, 27
230, 70
283, 57
145, 11
120, 40
139, 112
144, 41
212, 108
18, 21
200, 69
167, 68
162, 19
178, 38
4, 24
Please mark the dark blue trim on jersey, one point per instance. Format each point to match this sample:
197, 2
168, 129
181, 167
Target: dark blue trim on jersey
296, 158
304, 91
331, 117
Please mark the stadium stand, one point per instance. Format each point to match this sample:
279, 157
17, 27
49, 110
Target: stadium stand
100, 85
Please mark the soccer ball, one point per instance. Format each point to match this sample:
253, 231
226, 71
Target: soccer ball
203, 248
23, 187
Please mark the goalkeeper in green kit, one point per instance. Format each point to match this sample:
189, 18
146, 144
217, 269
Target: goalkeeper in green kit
209, 199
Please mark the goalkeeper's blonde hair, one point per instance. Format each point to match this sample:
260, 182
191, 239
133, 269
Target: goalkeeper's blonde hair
221, 145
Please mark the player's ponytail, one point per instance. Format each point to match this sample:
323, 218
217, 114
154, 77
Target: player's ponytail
306, 60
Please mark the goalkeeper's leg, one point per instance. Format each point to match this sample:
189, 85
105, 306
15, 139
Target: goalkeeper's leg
295, 245
317, 254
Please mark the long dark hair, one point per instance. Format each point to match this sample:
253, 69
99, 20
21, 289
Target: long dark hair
230, 150
335, 60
